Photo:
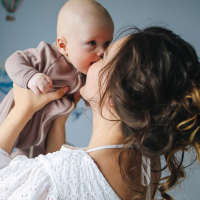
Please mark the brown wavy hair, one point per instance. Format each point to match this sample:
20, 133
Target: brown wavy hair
154, 82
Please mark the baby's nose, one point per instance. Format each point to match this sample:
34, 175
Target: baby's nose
100, 54
100, 51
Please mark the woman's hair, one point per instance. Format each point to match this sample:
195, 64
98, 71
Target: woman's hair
154, 83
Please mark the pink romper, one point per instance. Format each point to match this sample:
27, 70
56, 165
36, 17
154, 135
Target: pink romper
21, 66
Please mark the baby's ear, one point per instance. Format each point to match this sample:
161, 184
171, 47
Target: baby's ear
62, 45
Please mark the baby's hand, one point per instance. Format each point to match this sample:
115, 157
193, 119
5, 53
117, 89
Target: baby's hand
40, 83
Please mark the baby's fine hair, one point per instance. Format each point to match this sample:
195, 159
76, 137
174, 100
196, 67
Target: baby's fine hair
85, 9
154, 82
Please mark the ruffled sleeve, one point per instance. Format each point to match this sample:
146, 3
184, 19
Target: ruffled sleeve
5, 159
24, 178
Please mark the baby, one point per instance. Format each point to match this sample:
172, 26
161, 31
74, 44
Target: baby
84, 30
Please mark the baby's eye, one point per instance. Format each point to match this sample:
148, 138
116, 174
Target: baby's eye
107, 43
92, 43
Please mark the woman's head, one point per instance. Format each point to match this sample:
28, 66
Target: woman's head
148, 80
153, 81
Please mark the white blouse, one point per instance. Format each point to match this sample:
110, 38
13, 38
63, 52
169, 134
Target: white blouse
66, 174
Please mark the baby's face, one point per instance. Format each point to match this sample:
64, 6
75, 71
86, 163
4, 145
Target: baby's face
88, 43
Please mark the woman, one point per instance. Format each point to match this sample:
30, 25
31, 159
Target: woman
144, 95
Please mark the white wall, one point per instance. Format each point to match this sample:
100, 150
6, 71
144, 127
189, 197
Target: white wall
36, 21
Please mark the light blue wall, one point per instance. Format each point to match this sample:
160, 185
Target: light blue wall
36, 21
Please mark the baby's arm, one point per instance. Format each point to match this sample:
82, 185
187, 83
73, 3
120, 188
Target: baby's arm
22, 66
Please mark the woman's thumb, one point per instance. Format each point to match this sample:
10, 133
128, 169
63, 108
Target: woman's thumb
55, 95
61, 92
65, 89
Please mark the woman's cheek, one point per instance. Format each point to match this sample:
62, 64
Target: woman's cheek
86, 92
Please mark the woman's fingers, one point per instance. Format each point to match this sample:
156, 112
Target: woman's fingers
31, 102
77, 96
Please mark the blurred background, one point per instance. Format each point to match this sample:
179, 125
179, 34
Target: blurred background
35, 21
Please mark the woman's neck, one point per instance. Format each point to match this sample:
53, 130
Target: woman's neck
104, 131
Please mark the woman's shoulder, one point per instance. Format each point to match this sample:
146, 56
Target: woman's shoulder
66, 173
64, 157
75, 170
66, 146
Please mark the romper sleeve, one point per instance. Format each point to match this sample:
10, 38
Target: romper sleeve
22, 65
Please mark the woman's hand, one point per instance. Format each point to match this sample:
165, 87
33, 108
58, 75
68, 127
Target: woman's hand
27, 101
26, 104
77, 96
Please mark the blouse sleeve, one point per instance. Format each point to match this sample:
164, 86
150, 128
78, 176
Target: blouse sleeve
24, 178
4, 159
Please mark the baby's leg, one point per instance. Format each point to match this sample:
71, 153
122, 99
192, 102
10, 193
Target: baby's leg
31, 152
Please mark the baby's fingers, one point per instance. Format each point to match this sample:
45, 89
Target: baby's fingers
43, 87
36, 90
48, 79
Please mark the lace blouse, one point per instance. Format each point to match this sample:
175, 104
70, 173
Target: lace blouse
65, 174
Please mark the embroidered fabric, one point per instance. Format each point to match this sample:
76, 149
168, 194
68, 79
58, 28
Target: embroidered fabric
65, 174
24, 178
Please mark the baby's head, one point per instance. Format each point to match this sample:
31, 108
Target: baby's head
84, 30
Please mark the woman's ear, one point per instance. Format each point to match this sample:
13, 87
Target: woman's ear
110, 102
62, 45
